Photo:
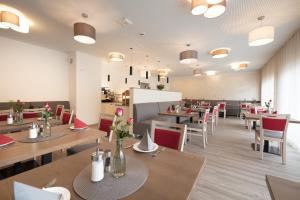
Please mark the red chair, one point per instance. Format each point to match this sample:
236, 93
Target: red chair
3, 117
27, 115
222, 108
213, 119
273, 128
205, 105
167, 134
67, 117
105, 123
58, 111
244, 108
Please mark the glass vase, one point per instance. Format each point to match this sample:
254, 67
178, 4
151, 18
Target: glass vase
19, 117
119, 161
46, 129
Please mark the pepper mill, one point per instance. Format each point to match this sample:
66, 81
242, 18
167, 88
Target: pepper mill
33, 132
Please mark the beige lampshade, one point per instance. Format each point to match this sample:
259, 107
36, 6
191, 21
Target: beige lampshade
239, 65
261, 36
84, 33
213, 1
198, 7
219, 53
188, 57
215, 10
116, 56
9, 19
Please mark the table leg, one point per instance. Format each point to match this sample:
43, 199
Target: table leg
177, 120
191, 119
46, 158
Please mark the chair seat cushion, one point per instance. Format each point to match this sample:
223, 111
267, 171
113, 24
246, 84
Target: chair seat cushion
194, 125
272, 134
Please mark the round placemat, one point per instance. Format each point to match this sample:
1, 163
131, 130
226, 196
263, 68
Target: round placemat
42, 139
111, 188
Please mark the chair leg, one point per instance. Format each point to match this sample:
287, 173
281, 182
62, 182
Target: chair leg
255, 144
206, 137
261, 148
283, 153
203, 139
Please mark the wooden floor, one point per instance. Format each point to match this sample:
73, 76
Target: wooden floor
234, 170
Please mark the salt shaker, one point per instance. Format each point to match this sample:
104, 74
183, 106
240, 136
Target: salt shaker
10, 119
107, 165
97, 166
33, 132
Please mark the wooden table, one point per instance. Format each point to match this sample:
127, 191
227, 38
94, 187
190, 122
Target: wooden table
172, 174
22, 151
180, 114
256, 117
282, 189
5, 128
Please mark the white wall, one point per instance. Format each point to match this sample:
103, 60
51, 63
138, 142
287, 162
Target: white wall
35, 73
88, 87
118, 71
231, 86
148, 96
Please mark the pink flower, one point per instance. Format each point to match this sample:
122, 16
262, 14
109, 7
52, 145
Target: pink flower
47, 105
130, 121
119, 112
49, 109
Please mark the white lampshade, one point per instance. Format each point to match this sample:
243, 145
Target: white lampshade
210, 73
9, 19
261, 36
188, 57
239, 65
116, 56
199, 7
215, 10
197, 72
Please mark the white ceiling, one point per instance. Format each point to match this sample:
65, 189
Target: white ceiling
168, 25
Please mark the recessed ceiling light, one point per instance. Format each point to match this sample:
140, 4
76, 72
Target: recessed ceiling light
219, 53
198, 7
262, 35
239, 65
188, 57
215, 10
211, 73
116, 56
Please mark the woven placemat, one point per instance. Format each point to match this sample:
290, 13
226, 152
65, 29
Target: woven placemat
42, 139
111, 188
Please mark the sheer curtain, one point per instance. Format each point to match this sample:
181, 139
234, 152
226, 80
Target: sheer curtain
281, 83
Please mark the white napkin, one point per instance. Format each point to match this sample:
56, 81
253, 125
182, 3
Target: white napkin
27, 192
146, 143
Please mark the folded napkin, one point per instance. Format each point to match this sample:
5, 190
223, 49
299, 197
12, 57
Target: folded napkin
5, 140
189, 110
146, 143
79, 124
27, 192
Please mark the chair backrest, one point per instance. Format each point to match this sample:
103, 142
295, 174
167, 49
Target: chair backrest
205, 116
244, 106
105, 123
222, 106
168, 134
275, 123
3, 117
215, 111
59, 109
205, 104
27, 115
67, 117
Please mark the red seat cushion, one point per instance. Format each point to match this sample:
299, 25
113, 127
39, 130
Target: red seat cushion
105, 125
30, 115
167, 138
66, 118
222, 106
274, 124
3, 117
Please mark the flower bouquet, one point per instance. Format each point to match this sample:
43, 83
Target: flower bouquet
46, 113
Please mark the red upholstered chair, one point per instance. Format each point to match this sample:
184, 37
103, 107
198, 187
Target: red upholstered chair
105, 123
27, 115
167, 134
273, 128
199, 128
66, 117
205, 105
59, 110
222, 108
3, 117
244, 108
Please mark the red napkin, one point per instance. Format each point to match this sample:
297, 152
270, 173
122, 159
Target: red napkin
79, 124
5, 140
169, 109
189, 110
